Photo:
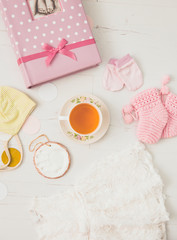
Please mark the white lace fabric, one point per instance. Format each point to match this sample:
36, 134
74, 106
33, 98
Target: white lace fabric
120, 199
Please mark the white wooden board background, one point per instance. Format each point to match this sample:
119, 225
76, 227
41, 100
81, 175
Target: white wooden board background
147, 30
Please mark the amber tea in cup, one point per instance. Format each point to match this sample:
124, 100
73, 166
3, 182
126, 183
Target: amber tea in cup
84, 118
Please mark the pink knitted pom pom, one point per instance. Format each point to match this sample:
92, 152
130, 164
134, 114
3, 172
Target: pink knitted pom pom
166, 80
128, 109
128, 119
165, 90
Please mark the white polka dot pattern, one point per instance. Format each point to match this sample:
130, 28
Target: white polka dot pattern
28, 34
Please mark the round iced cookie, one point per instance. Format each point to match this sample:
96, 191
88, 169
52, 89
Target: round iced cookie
31, 126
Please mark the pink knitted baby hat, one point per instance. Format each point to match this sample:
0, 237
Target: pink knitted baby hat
148, 108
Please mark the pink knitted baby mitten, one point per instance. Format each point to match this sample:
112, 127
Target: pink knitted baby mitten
130, 73
111, 80
148, 108
120, 72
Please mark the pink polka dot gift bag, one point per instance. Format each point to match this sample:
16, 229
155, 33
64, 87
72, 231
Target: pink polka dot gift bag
51, 38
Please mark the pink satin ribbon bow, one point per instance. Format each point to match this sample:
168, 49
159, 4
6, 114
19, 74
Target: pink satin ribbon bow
50, 52
62, 49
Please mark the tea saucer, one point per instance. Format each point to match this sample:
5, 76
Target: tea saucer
65, 127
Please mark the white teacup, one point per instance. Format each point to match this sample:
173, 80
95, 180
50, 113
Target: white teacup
90, 116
